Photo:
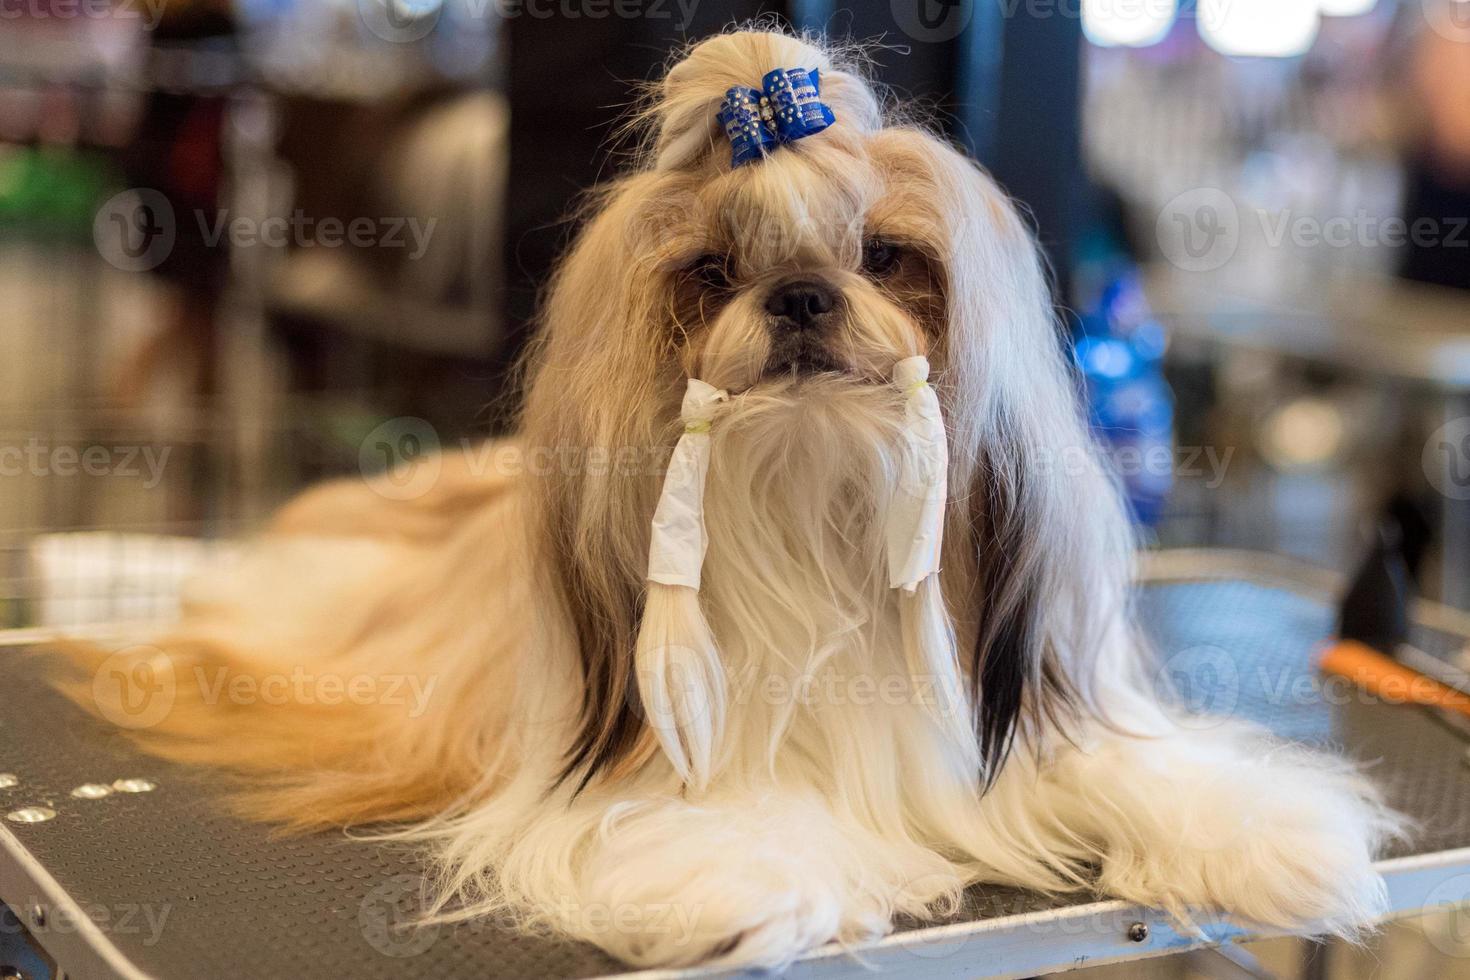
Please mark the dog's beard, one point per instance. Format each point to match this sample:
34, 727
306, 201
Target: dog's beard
795, 579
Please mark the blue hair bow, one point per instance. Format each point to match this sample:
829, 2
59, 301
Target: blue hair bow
785, 110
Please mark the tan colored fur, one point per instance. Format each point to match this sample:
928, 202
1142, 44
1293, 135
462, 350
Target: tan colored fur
315, 765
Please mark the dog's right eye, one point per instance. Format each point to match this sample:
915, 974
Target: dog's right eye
711, 271
880, 258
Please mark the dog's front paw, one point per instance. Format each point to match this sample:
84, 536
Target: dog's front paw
1284, 838
742, 885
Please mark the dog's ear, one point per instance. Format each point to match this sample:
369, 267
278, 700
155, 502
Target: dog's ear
590, 446
1036, 527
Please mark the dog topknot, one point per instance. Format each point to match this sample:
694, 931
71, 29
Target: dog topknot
683, 107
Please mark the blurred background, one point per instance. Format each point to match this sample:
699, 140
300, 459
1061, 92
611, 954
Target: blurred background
247, 245
280, 239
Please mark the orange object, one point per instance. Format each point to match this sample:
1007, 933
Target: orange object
1388, 679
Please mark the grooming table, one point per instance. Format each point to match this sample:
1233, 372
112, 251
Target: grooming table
165, 884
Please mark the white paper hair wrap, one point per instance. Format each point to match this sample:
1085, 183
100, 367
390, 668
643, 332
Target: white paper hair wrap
916, 516
679, 539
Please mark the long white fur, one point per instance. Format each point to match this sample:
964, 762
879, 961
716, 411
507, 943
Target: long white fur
837, 808
681, 681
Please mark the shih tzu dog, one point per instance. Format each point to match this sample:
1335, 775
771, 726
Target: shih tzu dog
798, 603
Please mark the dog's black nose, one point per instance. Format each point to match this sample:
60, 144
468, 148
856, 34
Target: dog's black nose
800, 303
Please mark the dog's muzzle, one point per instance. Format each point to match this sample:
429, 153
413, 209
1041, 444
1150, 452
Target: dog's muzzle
802, 314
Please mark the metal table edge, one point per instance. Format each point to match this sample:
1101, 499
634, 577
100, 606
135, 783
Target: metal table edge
1081, 936
78, 945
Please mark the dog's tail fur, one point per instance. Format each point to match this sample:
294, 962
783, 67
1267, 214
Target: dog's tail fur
325, 663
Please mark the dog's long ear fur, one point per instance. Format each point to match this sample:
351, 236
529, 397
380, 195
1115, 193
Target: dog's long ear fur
1040, 524
595, 469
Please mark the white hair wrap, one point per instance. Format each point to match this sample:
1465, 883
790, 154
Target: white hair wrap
916, 516
680, 677
676, 552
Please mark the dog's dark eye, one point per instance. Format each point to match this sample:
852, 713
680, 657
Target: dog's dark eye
880, 258
711, 271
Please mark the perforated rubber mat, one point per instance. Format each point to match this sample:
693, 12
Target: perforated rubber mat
183, 890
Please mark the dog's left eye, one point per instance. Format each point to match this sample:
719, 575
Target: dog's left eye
880, 258
711, 271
